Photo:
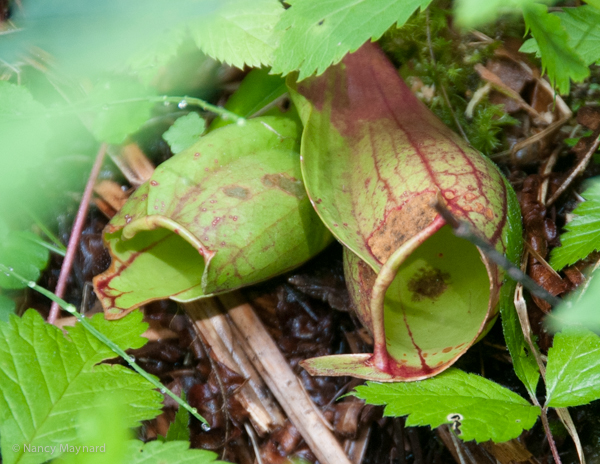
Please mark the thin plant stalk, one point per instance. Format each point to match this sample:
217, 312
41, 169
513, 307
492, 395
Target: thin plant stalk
108, 342
58, 246
59, 251
67, 264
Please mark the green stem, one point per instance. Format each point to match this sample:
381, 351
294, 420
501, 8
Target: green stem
113, 346
225, 114
47, 231
49, 246
182, 102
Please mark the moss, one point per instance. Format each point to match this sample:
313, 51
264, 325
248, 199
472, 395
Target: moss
452, 70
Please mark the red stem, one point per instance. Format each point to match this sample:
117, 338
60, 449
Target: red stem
549, 436
67, 264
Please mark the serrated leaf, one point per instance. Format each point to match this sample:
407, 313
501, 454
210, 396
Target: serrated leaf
559, 60
531, 46
477, 408
114, 119
240, 33
45, 377
318, 34
583, 29
573, 370
25, 256
583, 232
179, 430
184, 132
229, 211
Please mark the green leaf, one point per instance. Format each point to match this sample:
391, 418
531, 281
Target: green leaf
318, 34
573, 370
185, 132
594, 3
524, 362
583, 29
476, 408
7, 307
531, 46
19, 251
229, 211
45, 376
240, 32
115, 116
583, 232
257, 90
375, 162
558, 58
179, 429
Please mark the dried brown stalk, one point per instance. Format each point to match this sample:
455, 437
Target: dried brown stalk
282, 381
133, 163
253, 395
576, 171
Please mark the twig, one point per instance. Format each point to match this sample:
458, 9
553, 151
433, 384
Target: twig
463, 230
132, 162
208, 320
549, 436
545, 172
223, 390
578, 170
357, 448
565, 418
104, 339
282, 381
76, 233
540, 259
252, 434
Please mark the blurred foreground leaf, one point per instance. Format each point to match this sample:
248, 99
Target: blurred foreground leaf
87, 36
